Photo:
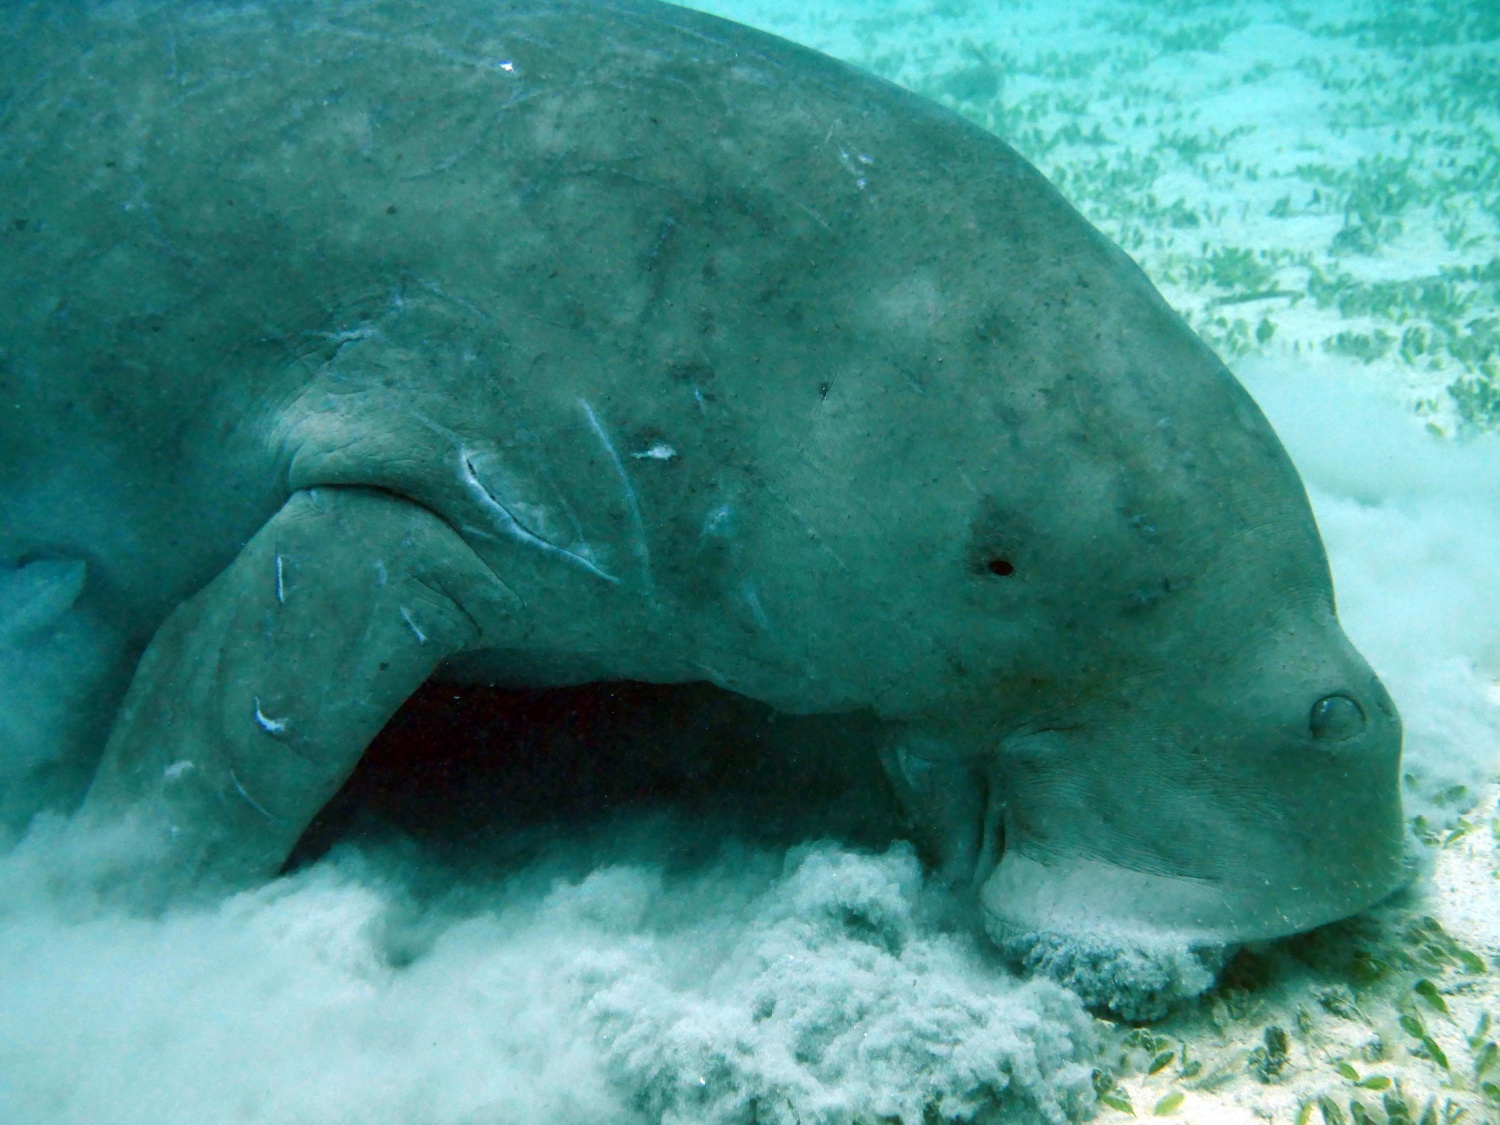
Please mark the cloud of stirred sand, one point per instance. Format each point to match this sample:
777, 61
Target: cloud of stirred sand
600, 980
811, 986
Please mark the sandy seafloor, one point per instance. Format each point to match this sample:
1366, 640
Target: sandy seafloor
1317, 187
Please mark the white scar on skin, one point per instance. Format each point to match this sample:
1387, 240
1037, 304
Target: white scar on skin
177, 769
268, 724
507, 520
716, 677
717, 521
642, 552
249, 800
280, 583
661, 451
757, 611
512, 526
412, 625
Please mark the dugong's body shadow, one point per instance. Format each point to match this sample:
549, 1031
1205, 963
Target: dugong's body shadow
481, 776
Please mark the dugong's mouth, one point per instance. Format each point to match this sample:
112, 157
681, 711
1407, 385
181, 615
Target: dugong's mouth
1028, 894
1136, 941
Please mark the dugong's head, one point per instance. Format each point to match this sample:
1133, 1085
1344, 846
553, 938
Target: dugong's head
1134, 720
1180, 748
1243, 791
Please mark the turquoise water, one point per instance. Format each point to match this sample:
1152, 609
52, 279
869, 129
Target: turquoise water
1316, 188
1296, 178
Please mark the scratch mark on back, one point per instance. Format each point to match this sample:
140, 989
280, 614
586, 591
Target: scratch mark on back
638, 529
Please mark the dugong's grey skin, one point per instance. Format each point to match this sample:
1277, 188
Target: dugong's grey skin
348, 342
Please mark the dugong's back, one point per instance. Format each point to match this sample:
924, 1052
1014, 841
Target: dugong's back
202, 202
815, 287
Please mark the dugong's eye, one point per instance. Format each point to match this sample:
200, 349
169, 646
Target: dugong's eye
1336, 718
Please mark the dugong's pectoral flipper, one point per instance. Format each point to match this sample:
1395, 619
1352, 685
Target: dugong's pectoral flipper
256, 698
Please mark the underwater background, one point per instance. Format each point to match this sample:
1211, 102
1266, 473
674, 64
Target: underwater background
1316, 187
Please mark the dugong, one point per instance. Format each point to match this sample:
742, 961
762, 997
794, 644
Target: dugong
349, 343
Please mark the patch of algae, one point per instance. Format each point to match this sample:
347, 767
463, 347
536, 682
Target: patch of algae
1392, 1018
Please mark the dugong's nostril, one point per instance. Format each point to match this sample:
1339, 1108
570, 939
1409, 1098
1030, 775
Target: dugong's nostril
1336, 718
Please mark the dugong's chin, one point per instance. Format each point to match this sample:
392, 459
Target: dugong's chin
1081, 895
1137, 943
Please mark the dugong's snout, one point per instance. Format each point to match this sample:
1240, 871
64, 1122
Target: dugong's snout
1148, 830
